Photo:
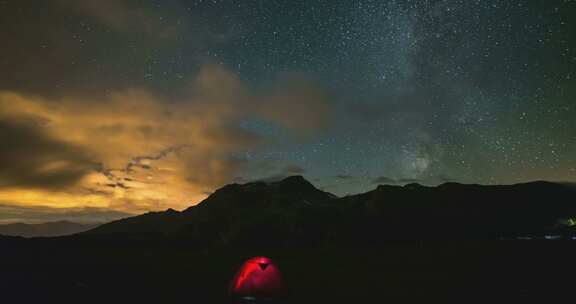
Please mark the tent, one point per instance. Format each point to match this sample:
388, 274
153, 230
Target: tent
258, 278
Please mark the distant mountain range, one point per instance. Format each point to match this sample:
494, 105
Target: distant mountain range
48, 229
294, 212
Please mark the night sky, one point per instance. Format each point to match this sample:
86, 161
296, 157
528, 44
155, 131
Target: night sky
114, 107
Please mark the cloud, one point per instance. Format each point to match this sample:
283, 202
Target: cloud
294, 169
427, 180
123, 16
292, 101
384, 180
270, 172
133, 150
273, 178
31, 158
445, 178
295, 103
409, 180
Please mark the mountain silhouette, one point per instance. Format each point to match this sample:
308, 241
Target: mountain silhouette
257, 212
386, 244
294, 212
47, 229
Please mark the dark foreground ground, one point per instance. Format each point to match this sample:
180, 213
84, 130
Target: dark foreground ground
396, 272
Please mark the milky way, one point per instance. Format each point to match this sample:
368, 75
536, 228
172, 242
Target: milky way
348, 93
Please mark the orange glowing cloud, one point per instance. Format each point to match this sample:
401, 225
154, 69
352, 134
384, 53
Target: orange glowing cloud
134, 150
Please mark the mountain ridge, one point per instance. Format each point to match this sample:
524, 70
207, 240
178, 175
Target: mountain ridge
294, 211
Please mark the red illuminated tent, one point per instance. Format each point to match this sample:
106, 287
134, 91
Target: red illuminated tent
258, 278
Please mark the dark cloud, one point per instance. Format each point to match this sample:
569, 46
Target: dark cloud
32, 159
137, 161
408, 180
445, 178
268, 171
344, 176
123, 16
42, 38
117, 177
294, 169
384, 180
273, 178
428, 180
